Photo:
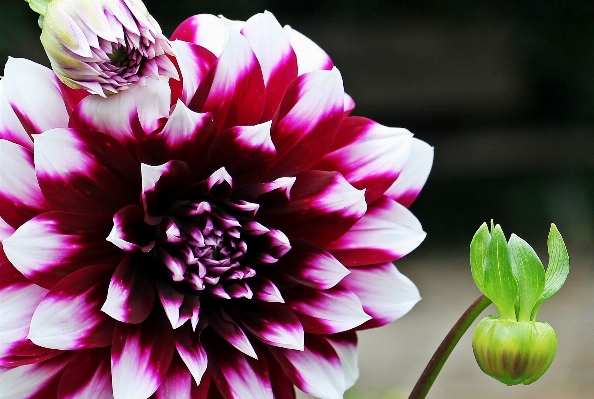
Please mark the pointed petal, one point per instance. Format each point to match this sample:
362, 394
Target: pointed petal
88, 376
282, 387
264, 290
131, 295
20, 195
85, 173
308, 118
386, 294
54, 244
194, 62
275, 55
177, 382
369, 155
349, 104
186, 136
388, 231
33, 92
311, 266
161, 185
130, 233
242, 150
128, 116
323, 207
345, 345
233, 89
11, 128
412, 179
317, 370
272, 323
191, 351
236, 375
6, 230
140, 357
310, 57
230, 331
70, 317
326, 312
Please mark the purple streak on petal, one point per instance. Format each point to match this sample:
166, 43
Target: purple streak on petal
85, 173
192, 352
172, 300
264, 289
385, 293
388, 231
69, 317
140, 357
308, 118
33, 92
194, 62
326, 312
369, 155
317, 370
323, 207
282, 387
233, 90
54, 244
199, 29
272, 323
20, 195
408, 185
230, 331
11, 128
177, 382
237, 376
130, 233
131, 294
87, 376
345, 345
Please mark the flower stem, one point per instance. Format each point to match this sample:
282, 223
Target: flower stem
446, 347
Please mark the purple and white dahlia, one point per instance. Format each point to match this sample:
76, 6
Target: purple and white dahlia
220, 236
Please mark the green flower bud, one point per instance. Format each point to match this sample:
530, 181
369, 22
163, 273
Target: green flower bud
514, 352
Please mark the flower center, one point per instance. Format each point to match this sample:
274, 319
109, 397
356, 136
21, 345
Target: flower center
120, 56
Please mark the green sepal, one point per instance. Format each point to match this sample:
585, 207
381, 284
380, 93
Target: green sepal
557, 270
529, 273
478, 253
500, 284
39, 6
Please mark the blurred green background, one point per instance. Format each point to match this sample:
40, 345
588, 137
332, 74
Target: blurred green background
504, 91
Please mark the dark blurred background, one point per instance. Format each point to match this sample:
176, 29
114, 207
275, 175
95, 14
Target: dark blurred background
504, 91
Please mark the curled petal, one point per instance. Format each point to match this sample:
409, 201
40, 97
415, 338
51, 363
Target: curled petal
69, 317
414, 175
194, 62
130, 233
310, 57
140, 357
54, 244
205, 30
388, 231
386, 294
85, 173
369, 155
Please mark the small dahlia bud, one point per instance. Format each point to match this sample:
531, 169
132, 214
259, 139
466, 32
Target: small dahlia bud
104, 46
514, 352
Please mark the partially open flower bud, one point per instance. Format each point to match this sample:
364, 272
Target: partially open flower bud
514, 352
104, 46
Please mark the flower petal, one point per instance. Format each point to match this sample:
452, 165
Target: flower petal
205, 30
345, 345
326, 312
33, 92
54, 244
275, 55
233, 89
272, 323
87, 376
130, 233
128, 116
230, 331
85, 173
408, 185
310, 57
323, 207
140, 357
131, 295
69, 317
194, 62
191, 351
11, 128
369, 155
388, 231
161, 185
386, 294
308, 118
20, 195
236, 375
177, 382
317, 370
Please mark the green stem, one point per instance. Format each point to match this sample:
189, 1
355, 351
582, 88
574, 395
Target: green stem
447, 346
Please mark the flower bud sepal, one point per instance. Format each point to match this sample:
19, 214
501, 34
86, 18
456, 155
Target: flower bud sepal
514, 352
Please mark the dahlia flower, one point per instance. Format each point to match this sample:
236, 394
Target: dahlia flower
104, 46
219, 236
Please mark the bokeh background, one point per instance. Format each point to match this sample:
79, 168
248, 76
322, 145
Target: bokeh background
504, 91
